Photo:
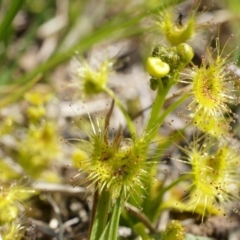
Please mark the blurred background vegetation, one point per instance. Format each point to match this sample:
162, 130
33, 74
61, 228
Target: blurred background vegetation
40, 42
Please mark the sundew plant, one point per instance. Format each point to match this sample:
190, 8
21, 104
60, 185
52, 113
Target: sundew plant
119, 171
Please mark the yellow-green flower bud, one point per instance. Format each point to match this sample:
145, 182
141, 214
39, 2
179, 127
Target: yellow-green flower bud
185, 52
153, 84
157, 68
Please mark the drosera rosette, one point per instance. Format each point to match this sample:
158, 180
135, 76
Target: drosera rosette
214, 88
178, 27
214, 174
115, 165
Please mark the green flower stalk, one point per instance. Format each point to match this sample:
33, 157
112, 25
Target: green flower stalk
214, 174
213, 91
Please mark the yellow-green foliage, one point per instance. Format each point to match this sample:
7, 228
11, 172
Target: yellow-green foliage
39, 148
10, 202
214, 174
11, 231
37, 98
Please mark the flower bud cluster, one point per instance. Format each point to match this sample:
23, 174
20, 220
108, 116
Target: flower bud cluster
166, 61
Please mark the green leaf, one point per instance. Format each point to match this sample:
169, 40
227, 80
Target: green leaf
101, 215
11, 12
103, 236
114, 221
